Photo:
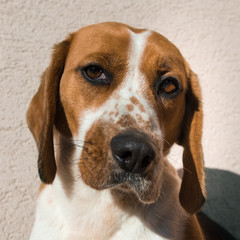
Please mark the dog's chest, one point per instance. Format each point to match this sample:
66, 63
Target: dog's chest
92, 217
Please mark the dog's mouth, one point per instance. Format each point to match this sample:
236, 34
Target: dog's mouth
146, 186
130, 161
128, 180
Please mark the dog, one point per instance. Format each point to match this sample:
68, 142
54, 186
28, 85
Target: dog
112, 102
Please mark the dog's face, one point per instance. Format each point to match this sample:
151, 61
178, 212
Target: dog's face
126, 95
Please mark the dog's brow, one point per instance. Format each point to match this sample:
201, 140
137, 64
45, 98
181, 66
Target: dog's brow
100, 57
164, 64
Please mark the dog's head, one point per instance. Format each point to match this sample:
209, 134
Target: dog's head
124, 95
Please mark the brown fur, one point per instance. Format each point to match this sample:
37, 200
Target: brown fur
42, 112
193, 229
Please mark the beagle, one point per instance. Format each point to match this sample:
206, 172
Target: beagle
112, 102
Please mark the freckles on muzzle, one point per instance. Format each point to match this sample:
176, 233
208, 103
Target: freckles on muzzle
125, 158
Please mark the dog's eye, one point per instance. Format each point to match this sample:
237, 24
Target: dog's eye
96, 75
95, 72
168, 87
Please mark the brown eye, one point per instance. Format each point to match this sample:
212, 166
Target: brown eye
95, 74
168, 87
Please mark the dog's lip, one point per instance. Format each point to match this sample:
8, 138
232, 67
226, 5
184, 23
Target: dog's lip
132, 180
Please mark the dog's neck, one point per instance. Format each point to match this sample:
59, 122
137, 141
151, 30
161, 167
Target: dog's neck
93, 213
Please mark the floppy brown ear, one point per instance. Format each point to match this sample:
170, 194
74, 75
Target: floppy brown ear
192, 193
42, 110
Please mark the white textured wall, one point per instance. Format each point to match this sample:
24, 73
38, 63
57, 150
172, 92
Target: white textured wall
207, 33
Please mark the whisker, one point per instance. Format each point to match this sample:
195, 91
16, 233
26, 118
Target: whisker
166, 141
187, 170
83, 141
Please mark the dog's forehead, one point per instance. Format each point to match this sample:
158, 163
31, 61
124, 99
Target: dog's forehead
115, 40
101, 40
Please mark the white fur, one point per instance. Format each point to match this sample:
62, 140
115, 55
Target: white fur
88, 214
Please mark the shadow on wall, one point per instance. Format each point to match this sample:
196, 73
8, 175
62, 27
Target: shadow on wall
223, 199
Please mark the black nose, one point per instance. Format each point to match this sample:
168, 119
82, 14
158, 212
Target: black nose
132, 151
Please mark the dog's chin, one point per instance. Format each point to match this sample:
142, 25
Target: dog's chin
144, 187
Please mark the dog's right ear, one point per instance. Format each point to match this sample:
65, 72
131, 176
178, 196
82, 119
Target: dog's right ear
42, 110
192, 193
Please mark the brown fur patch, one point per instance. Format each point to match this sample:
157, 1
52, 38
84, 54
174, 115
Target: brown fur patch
41, 188
95, 163
129, 107
136, 102
140, 119
105, 44
193, 229
161, 57
126, 121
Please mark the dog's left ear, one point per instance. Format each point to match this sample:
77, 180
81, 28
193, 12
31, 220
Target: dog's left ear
192, 193
42, 111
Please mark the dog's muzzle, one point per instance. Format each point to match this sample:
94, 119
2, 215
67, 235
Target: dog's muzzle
132, 151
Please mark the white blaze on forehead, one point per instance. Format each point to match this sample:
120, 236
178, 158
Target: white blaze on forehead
135, 83
138, 43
